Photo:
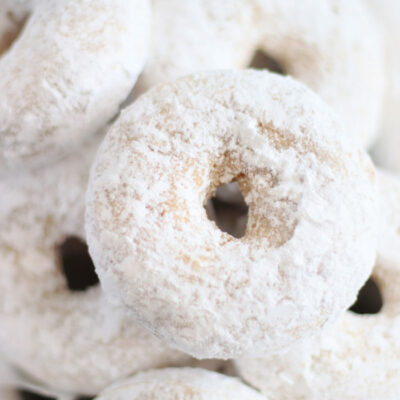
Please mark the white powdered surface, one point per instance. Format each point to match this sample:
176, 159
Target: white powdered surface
331, 45
66, 74
310, 241
74, 342
357, 358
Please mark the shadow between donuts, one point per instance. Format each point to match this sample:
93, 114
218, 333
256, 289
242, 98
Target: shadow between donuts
369, 299
27, 395
262, 60
11, 35
77, 265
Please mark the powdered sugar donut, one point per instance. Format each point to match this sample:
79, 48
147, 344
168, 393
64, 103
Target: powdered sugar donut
311, 231
331, 45
66, 74
356, 359
180, 383
387, 149
72, 341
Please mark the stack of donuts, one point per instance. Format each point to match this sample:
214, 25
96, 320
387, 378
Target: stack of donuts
199, 199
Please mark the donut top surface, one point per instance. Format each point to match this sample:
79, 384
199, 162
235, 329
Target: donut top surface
311, 234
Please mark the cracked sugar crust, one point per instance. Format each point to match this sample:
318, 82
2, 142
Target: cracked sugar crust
66, 73
73, 341
311, 234
356, 358
333, 46
183, 384
386, 150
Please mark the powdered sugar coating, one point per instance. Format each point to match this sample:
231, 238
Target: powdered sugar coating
182, 384
66, 74
72, 341
387, 149
331, 45
357, 358
311, 232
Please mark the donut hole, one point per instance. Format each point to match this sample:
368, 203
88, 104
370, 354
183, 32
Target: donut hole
261, 60
369, 299
16, 25
77, 265
27, 395
228, 209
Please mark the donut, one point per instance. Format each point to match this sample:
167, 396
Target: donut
66, 73
357, 358
333, 46
310, 239
71, 340
182, 384
386, 151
